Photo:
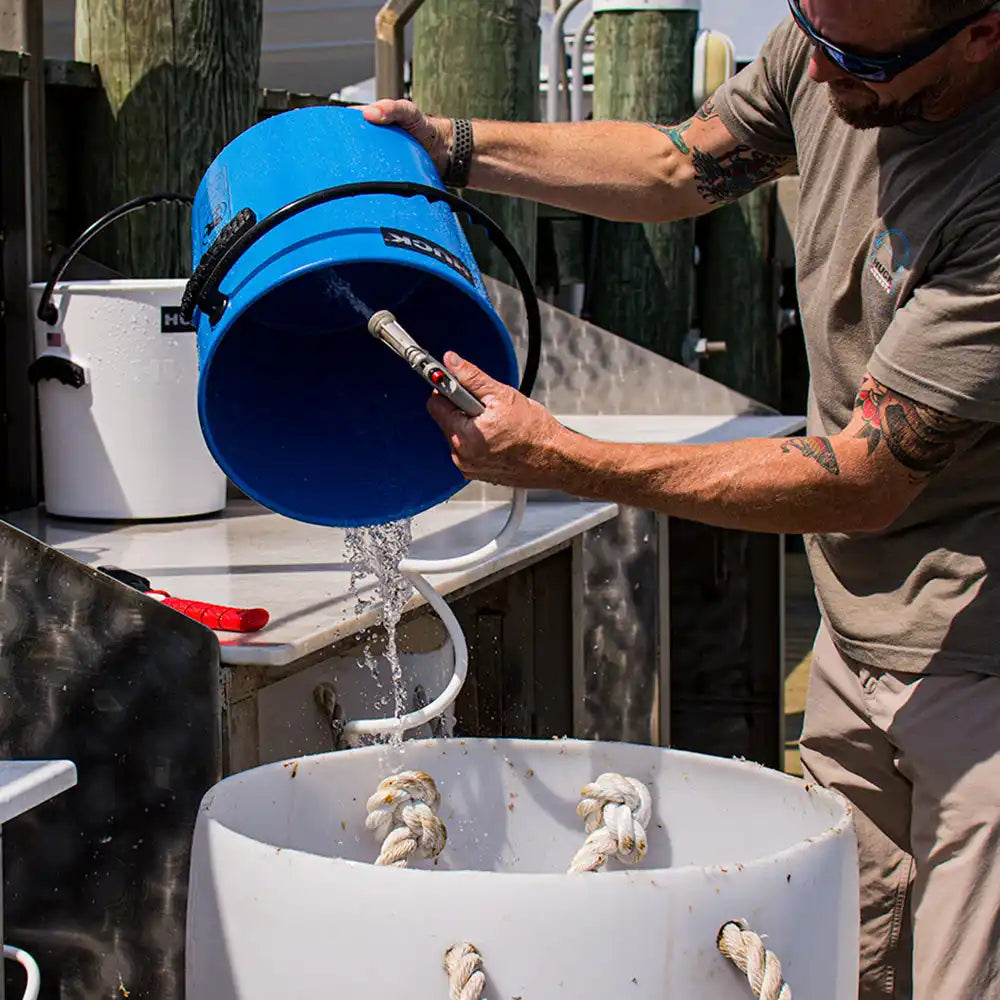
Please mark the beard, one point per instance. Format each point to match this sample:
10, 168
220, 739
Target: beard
859, 106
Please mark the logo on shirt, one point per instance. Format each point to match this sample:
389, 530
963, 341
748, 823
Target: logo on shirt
887, 263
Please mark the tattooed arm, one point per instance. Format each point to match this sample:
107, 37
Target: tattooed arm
619, 170
861, 479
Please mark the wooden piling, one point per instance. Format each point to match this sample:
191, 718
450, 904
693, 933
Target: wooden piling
22, 242
479, 59
180, 80
642, 281
738, 296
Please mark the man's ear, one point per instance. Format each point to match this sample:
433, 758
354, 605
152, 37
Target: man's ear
984, 38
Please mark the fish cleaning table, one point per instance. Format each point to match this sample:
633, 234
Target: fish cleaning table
521, 607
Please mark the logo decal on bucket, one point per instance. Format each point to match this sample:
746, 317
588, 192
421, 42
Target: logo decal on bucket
409, 241
216, 210
172, 321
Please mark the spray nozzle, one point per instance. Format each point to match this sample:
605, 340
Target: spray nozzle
385, 327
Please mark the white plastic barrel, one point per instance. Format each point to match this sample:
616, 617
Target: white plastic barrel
126, 444
284, 900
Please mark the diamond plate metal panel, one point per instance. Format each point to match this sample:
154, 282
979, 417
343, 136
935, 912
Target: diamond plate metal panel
585, 369
96, 880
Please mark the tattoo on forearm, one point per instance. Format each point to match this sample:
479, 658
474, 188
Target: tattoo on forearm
674, 134
921, 438
735, 173
817, 448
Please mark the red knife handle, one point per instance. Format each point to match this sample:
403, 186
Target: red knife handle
218, 616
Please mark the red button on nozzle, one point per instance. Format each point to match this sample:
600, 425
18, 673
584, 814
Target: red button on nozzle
437, 376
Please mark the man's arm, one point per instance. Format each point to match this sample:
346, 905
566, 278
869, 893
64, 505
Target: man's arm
615, 170
859, 480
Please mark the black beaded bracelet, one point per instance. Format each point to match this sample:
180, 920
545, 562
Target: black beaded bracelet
460, 157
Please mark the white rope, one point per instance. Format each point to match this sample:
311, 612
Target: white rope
402, 814
615, 811
464, 966
746, 951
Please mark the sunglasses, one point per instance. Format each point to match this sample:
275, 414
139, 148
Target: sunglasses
882, 69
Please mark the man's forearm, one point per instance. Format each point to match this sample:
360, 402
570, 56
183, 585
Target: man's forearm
792, 486
614, 170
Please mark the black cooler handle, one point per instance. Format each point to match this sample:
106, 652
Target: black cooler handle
59, 368
47, 312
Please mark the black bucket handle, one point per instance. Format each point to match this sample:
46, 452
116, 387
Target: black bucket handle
244, 230
47, 312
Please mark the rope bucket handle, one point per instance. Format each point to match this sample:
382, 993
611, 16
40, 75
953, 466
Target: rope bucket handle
747, 951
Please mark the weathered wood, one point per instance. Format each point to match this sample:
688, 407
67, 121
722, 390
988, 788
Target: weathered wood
22, 213
14, 65
479, 59
275, 102
21, 31
70, 73
643, 274
390, 53
738, 296
180, 81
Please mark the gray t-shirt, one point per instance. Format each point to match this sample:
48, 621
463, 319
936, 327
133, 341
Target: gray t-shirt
898, 256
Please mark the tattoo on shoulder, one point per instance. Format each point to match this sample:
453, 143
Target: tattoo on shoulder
675, 134
818, 449
735, 173
922, 439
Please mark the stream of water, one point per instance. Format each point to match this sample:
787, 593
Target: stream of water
376, 552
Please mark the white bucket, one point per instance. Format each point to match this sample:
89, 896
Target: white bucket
284, 901
126, 444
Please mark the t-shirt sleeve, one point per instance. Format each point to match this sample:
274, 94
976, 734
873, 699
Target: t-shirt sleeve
942, 347
755, 105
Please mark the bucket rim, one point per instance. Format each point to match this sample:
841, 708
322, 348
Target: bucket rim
97, 285
221, 329
843, 826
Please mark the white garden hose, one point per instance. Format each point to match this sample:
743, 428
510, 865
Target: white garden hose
30, 967
480, 555
413, 569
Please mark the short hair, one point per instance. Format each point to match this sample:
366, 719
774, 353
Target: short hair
935, 13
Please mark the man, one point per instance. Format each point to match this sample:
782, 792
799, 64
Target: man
890, 114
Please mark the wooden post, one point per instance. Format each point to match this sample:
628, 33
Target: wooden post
22, 217
479, 59
390, 23
738, 296
180, 79
643, 275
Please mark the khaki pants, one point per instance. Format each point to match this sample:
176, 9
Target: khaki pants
919, 757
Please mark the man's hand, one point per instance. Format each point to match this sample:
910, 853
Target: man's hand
516, 442
434, 134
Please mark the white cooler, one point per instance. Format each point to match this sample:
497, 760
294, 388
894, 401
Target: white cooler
117, 379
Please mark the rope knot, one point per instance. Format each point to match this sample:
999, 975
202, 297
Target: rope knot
615, 811
403, 815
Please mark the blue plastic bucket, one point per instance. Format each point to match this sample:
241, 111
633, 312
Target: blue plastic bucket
305, 411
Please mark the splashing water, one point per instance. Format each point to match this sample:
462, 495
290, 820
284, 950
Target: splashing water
377, 552
337, 287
